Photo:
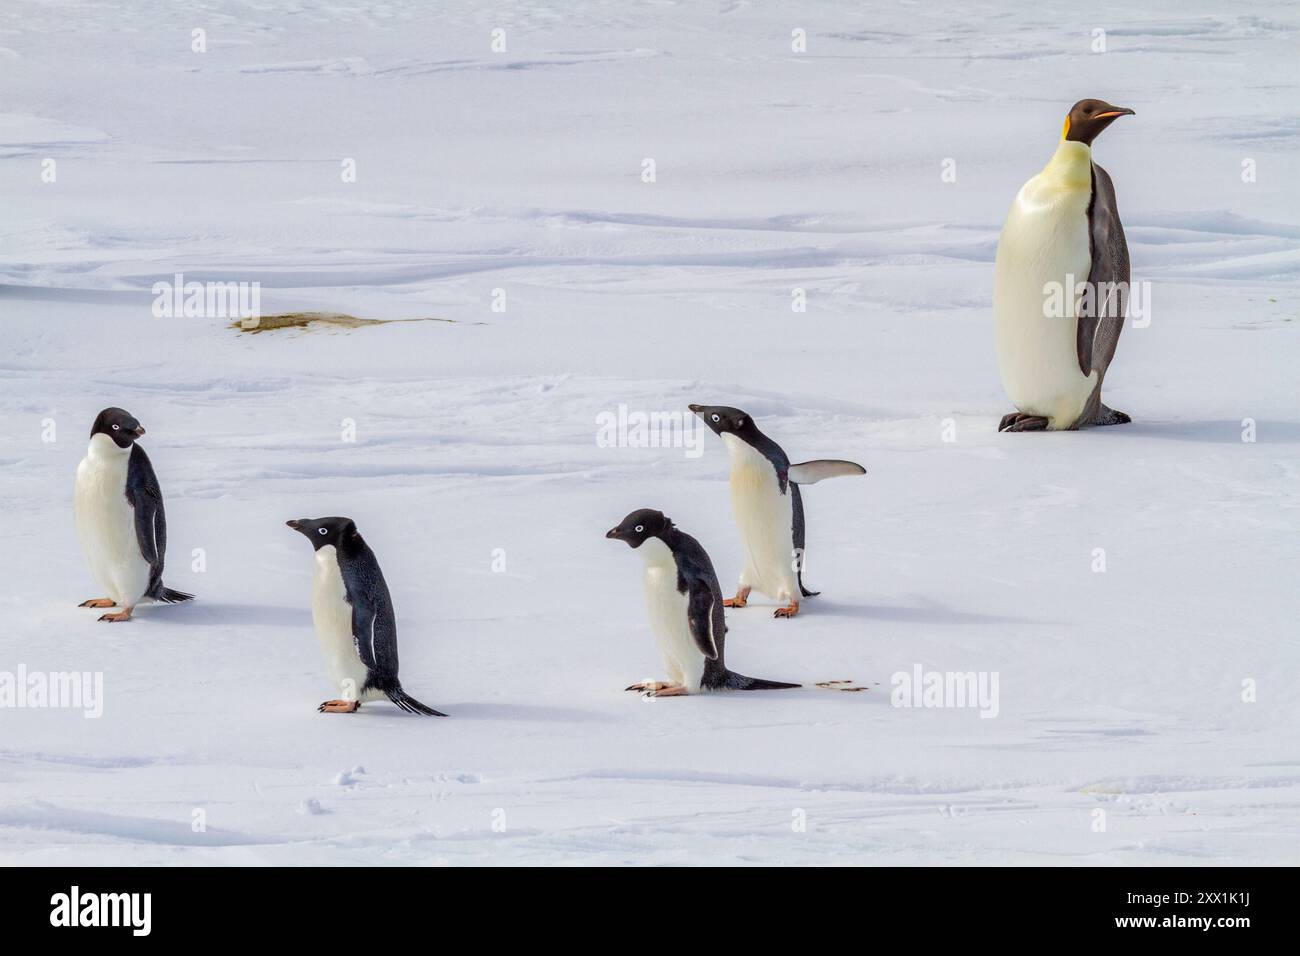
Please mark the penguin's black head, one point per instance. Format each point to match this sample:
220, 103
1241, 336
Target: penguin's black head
640, 525
1087, 118
724, 419
323, 531
119, 425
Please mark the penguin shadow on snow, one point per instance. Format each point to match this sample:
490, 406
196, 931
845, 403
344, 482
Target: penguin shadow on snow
530, 713
1227, 432
266, 615
928, 613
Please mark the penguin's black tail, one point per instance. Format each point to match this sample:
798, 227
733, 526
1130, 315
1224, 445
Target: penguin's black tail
168, 596
409, 704
736, 681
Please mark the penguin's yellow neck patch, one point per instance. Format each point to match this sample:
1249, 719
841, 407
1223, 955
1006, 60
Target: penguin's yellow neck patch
1065, 130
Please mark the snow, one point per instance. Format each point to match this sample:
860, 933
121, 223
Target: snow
521, 170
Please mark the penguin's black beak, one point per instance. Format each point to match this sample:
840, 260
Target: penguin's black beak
139, 431
612, 533
694, 408
294, 524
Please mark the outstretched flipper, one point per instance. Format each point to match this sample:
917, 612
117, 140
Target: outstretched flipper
811, 472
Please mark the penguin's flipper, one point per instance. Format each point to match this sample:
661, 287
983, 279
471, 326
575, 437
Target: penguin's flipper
374, 632
145, 496
811, 472
800, 531
702, 603
1098, 332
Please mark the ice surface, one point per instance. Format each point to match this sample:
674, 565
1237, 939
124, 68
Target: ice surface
521, 170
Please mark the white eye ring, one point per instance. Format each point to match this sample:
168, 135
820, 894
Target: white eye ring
640, 528
116, 427
320, 530
717, 418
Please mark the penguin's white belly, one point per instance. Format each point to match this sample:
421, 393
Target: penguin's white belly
106, 527
1045, 240
765, 519
666, 608
332, 615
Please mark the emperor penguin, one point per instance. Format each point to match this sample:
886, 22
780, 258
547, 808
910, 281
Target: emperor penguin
120, 519
1055, 338
354, 619
684, 602
767, 506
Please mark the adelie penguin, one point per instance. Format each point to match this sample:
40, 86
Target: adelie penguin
767, 506
684, 601
120, 519
1063, 229
354, 619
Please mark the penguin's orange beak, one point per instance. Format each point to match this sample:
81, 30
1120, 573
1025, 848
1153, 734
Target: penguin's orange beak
1118, 111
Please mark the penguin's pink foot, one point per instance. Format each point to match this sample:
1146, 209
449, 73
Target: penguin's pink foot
790, 610
98, 602
123, 615
340, 707
740, 600
1018, 422
649, 686
670, 690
